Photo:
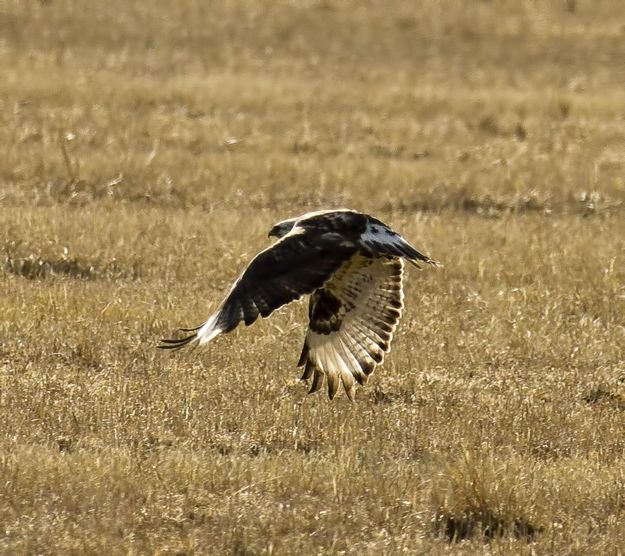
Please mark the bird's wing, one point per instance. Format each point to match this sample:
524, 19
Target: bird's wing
379, 239
296, 265
352, 320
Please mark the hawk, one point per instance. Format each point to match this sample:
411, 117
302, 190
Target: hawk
351, 265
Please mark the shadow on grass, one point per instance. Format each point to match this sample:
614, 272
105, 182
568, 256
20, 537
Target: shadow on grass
603, 396
483, 496
37, 267
483, 524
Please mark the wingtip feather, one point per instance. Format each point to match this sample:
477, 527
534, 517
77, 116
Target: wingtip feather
425, 260
201, 334
176, 344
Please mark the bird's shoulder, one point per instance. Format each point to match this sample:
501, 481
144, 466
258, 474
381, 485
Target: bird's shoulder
342, 223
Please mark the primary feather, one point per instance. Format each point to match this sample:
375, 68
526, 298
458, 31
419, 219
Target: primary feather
351, 264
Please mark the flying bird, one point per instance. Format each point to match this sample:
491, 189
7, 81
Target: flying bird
351, 265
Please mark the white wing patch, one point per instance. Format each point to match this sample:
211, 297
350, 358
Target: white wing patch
352, 320
381, 240
377, 232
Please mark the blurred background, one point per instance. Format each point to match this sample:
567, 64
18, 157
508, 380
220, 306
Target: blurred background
453, 105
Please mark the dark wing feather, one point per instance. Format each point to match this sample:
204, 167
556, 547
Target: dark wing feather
294, 266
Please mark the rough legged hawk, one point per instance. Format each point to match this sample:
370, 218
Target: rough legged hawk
351, 264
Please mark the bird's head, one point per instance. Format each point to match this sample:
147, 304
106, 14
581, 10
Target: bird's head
282, 228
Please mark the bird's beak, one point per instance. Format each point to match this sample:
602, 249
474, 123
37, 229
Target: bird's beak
273, 232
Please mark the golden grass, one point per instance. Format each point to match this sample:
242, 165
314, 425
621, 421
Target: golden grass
147, 148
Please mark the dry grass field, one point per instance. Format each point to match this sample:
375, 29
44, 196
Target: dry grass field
146, 148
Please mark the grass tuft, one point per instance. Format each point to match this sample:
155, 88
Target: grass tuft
483, 498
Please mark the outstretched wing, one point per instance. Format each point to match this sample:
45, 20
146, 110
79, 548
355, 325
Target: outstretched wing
352, 320
296, 265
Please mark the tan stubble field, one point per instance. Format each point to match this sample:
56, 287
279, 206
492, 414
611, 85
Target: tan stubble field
146, 150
